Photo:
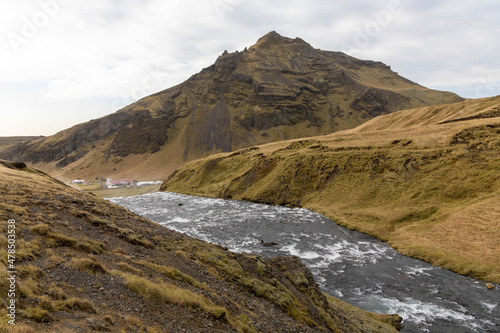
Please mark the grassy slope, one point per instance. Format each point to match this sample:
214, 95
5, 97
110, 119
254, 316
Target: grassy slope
277, 89
6, 141
425, 180
86, 264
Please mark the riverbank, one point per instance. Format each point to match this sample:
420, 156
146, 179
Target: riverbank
101, 192
350, 265
426, 181
81, 263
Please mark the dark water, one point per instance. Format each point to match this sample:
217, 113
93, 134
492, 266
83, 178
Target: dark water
349, 265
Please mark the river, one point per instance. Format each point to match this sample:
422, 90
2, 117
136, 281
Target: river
349, 265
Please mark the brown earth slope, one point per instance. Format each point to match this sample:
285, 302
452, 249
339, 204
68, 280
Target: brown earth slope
426, 180
86, 265
279, 88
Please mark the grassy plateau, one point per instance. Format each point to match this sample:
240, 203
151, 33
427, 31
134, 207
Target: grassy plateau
425, 180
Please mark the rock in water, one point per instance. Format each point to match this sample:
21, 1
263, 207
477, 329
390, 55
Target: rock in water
267, 243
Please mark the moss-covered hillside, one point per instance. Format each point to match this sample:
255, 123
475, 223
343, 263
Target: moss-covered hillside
278, 89
85, 265
426, 180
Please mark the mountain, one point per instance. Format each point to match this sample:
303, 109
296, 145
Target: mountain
82, 264
279, 88
6, 141
425, 180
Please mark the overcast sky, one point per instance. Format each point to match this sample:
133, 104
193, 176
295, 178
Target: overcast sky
64, 62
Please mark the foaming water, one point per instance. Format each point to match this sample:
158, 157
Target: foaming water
352, 266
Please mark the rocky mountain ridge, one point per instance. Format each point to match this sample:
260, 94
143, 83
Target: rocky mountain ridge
277, 89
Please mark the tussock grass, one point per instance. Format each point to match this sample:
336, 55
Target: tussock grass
38, 315
132, 237
41, 229
128, 268
14, 209
166, 292
55, 239
174, 274
28, 288
27, 250
89, 265
26, 271
243, 324
18, 328
76, 304
56, 293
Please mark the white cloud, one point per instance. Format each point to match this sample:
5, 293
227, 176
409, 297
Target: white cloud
105, 53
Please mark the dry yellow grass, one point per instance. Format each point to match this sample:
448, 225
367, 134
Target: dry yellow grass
166, 292
82, 262
426, 180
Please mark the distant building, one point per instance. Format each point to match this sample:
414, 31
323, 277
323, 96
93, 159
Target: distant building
78, 181
148, 183
114, 183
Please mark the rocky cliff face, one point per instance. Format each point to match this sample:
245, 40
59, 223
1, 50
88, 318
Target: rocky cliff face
279, 88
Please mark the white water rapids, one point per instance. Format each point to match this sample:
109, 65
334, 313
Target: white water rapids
349, 265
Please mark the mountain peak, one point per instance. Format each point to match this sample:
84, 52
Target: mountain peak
274, 38
280, 88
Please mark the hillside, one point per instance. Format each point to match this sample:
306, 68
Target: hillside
84, 264
7, 141
425, 180
277, 89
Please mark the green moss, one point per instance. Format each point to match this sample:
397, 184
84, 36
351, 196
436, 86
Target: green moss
300, 280
220, 261
261, 268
